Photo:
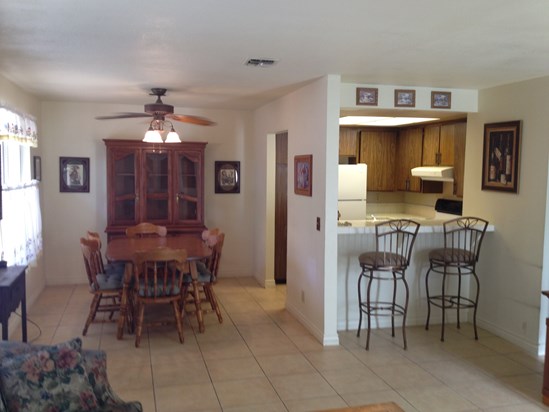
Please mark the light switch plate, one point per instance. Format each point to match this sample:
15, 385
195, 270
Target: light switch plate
318, 224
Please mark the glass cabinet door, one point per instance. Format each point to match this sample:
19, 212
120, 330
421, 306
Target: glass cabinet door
187, 194
124, 199
157, 187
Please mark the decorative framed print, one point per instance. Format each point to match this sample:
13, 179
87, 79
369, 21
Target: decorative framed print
227, 176
500, 159
74, 174
303, 175
366, 96
405, 98
36, 168
441, 100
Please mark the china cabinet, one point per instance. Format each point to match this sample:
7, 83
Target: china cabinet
157, 183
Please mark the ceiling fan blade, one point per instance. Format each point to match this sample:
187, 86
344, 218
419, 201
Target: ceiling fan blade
191, 119
127, 115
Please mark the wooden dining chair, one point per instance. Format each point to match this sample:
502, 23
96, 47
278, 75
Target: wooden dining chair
146, 229
109, 267
207, 276
158, 280
106, 288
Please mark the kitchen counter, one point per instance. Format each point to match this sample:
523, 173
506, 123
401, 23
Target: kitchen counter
359, 237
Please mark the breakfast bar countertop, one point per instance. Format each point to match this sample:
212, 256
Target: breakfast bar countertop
367, 226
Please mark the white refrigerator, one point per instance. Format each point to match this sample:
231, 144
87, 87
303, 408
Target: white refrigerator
352, 188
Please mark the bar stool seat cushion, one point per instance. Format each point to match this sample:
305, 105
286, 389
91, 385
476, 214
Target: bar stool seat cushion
448, 256
380, 260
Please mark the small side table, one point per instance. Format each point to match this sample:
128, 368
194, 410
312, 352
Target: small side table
12, 293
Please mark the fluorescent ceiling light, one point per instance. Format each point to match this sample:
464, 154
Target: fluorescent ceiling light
382, 121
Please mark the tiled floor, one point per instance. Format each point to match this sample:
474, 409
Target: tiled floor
262, 359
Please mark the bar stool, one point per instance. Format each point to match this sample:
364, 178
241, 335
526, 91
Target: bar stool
462, 240
394, 242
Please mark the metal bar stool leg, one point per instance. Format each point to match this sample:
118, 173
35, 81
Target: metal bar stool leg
393, 306
459, 298
476, 304
428, 299
443, 305
369, 308
359, 305
405, 310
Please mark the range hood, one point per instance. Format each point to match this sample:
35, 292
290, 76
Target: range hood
437, 173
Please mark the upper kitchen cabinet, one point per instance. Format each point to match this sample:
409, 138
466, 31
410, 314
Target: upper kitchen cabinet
378, 151
160, 184
348, 143
444, 145
408, 156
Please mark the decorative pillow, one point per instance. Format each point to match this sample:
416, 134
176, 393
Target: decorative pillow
50, 379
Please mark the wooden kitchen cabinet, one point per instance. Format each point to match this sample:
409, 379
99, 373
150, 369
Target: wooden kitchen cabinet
408, 155
438, 145
378, 151
161, 184
444, 145
348, 141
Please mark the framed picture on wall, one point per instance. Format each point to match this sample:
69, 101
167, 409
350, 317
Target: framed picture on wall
303, 175
227, 176
74, 174
366, 96
501, 156
441, 100
405, 98
36, 168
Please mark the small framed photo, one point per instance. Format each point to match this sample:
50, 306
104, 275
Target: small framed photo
366, 96
227, 176
303, 175
405, 98
500, 160
74, 174
36, 168
441, 100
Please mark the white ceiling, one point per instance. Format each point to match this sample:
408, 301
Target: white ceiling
115, 50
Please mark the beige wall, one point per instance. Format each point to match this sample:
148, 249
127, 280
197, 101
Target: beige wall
69, 129
510, 266
310, 116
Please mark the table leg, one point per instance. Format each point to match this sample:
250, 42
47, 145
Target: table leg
196, 293
124, 301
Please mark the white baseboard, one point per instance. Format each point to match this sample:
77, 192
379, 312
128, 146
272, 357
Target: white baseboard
317, 333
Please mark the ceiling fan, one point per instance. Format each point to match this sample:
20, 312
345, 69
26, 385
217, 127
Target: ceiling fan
159, 111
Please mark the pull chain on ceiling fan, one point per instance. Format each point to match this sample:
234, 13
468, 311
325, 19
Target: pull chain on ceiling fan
159, 111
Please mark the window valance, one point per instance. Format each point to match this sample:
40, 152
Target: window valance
18, 127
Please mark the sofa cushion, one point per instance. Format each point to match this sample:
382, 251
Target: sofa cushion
49, 379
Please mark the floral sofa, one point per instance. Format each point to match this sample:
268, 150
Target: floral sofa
56, 378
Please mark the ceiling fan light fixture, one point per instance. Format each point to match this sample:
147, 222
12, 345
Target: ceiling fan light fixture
172, 137
152, 136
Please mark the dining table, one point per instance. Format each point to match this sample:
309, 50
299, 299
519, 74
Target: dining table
123, 249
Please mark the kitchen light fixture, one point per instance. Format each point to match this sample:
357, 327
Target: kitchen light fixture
382, 120
156, 128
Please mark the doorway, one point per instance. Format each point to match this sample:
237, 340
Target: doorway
281, 207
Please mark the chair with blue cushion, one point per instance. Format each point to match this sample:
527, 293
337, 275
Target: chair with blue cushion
109, 267
158, 279
207, 273
106, 286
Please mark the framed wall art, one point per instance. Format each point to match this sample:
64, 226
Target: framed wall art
500, 159
366, 96
441, 100
303, 175
74, 174
227, 176
405, 98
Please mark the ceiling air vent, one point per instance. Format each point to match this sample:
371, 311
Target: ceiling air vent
260, 62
